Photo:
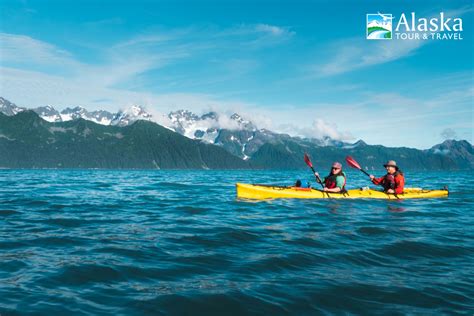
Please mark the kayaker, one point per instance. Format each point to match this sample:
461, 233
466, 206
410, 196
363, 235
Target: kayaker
393, 181
336, 180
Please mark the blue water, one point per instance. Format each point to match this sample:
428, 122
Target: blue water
91, 242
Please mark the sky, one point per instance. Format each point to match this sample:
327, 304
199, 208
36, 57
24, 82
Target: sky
300, 67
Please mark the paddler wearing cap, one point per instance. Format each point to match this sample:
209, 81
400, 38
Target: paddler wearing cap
393, 181
336, 179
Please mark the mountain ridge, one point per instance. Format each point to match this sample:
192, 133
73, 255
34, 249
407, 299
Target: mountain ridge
247, 147
27, 141
237, 135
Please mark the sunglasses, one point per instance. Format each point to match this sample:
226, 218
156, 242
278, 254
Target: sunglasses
335, 168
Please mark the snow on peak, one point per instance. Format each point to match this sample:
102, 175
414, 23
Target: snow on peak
48, 113
8, 108
182, 116
207, 126
75, 113
193, 126
130, 115
243, 124
136, 110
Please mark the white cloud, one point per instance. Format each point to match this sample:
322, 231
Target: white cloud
322, 128
273, 30
319, 129
31, 89
37, 72
26, 50
356, 53
254, 36
224, 121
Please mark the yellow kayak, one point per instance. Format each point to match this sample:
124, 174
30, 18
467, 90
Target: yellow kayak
259, 191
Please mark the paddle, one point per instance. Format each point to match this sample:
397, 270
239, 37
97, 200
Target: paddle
310, 164
351, 162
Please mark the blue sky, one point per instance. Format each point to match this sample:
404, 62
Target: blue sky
301, 67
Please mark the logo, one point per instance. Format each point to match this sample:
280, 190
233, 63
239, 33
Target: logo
412, 27
379, 26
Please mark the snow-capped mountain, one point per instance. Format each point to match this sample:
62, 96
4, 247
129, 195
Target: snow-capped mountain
243, 123
237, 135
100, 116
132, 114
8, 108
48, 113
69, 114
234, 133
204, 127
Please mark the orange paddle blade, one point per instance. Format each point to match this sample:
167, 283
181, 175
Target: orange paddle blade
307, 160
351, 162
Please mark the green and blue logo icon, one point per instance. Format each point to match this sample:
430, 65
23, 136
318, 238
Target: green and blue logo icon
379, 26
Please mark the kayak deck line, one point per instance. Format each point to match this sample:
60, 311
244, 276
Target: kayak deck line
270, 191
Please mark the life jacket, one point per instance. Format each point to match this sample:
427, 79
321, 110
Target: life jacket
330, 181
388, 181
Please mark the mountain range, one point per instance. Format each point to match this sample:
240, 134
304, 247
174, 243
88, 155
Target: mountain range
237, 135
27, 141
76, 138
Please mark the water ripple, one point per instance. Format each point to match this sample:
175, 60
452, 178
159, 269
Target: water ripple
93, 242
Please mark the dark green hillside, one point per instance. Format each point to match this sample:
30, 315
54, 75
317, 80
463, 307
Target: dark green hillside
451, 155
27, 141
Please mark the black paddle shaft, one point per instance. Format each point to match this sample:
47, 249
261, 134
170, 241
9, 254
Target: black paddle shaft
317, 177
368, 175
310, 164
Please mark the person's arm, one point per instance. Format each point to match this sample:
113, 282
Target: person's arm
399, 184
377, 181
335, 190
318, 177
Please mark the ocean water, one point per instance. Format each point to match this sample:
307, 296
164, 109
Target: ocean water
95, 242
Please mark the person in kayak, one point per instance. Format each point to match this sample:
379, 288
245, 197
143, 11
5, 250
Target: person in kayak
393, 181
336, 180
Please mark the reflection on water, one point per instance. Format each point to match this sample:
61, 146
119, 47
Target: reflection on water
392, 208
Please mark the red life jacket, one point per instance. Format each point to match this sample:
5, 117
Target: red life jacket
388, 181
330, 181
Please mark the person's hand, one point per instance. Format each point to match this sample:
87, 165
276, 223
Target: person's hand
316, 174
390, 191
325, 189
371, 177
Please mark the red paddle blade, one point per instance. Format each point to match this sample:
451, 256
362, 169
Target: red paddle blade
351, 162
307, 160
